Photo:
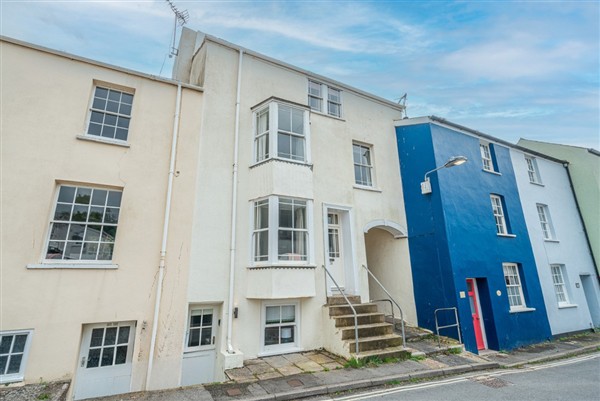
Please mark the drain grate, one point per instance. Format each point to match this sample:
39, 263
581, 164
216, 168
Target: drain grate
492, 382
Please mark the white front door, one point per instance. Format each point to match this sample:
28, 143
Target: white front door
198, 364
336, 251
105, 360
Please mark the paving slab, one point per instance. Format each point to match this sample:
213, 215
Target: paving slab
277, 361
432, 364
319, 358
289, 370
341, 376
296, 358
332, 366
388, 369
260, 368
290, 383
452, 359
240, 374
309, 366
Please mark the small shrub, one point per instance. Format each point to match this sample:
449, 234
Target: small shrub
43, 396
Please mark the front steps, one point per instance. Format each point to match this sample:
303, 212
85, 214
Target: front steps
376, 337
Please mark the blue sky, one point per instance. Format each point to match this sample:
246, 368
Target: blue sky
507, 68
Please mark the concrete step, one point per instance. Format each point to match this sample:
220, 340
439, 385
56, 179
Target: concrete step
340, 300
375, 343
389, 352
338, 310
363, 318
367, 330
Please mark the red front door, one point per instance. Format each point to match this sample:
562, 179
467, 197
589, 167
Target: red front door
475, 313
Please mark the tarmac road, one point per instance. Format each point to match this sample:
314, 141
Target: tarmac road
575, 379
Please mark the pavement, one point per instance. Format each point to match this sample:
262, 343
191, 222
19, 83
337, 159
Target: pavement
313, 373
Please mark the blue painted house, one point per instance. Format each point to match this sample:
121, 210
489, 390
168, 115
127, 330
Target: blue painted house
468, 240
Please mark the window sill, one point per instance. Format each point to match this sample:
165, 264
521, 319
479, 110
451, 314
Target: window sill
491, 171
539, 184
280, 351
271, 159
519, 310
103, 140
567, 306
80, 265
366, 188
507, 235
327, 115
14, 381
552, 240
282, 266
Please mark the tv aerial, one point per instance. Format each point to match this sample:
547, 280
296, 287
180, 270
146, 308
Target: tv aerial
181, 18
402, 102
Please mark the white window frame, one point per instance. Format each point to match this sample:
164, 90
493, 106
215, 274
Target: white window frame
370, 182
514, 287
199, 347
281, 347
487, 157
122, 116
499, 215
326, 97
545, 222
109, 204
18, 376
273, 257
558, 273
532, 170
273, 132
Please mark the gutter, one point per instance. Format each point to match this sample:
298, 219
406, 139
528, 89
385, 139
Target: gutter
234, 207
163, 249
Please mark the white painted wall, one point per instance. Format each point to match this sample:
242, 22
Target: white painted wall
570, 247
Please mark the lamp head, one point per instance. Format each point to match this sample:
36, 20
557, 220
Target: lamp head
455, 161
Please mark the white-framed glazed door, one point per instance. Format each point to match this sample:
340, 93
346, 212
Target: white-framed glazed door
336, 251
199, 355
105, 355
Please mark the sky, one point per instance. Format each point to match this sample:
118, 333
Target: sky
511, 69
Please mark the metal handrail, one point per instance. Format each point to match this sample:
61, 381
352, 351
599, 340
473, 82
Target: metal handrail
351, 307
437, 328
391, 299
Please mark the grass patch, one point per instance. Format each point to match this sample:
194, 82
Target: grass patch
43, 396
455, 351
393, 382
417, 358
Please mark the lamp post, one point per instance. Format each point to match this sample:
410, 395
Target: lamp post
453, 161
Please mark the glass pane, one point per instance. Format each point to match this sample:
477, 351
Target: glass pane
95, 129
126, 98
272, 314
299, 214
96, 214
283, 146
59, 231
121, 356
55, 250
207, 319
99, 104
76, 232
3, 363
14, 365
114, 95
62, 212
109, 233
107, 356
262, 215
66, 194
262, 122
271, 335
121, 134
114, 198
356, 153
261, 248
111, 106
194, 339
298, 121
288, 313
73, 250
90, 251
97, 117
123, 122
206, 336
125, 109
285, 120
93, 358
123, 335
99, 197
285, 245
110, 120
93, 233
6, 344
111, 215
80, 213
285, 215
110, 336
19, 344
83, 196
101, 93
287, 334
108, 131
105, 252
297, 148
195, 321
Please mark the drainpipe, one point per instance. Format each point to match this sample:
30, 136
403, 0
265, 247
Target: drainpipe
163, 249
234, 207
587, 239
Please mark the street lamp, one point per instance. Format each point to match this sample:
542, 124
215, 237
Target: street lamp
453, 161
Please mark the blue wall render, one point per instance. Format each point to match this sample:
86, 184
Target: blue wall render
452, 237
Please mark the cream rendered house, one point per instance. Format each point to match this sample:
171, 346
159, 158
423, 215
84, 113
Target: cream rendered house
89, 152
302, 176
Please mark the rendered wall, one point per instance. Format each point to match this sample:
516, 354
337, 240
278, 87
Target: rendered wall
466, 244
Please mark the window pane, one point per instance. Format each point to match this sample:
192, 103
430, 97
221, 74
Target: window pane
6, 344
107, 356
96, 116
96, 214
207, 319
14, 364
76, 232
66, 194
90, 251
206, 336
288, 313
114, 95
121, 356
93, 233
285, 214
299, 214
83, 196
298, 121
194, 338
262, 215
272, 314
59, 231
99, 197
114, 198
285, 121
111, 215
271, 335
287, 334
62, 212
101, 93
93, 357
123, 335
125, 109
108, 131
55, 250
3, 363
99, 104
284, 146
121, 134
195, 321
112, 106
73, 250
285, 245
105, 252
261, 246
127, 98
111, 336
80, 213
297, 148
109, 233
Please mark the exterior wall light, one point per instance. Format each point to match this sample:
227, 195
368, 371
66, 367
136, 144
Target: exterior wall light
453, 161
